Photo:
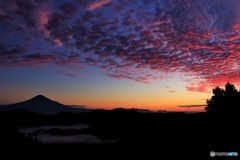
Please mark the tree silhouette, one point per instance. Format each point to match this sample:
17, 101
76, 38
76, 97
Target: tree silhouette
224, 101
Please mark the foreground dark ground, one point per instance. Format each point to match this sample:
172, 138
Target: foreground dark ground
150, 135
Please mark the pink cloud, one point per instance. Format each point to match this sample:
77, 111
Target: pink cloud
98, 4
43, 19
2, 13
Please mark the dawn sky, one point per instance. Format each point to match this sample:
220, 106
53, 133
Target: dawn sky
152, 54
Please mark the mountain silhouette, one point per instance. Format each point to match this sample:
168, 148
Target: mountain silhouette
43, 105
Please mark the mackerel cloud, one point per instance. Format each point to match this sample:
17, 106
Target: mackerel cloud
142, 40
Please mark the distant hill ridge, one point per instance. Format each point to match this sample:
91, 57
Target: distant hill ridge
43, 105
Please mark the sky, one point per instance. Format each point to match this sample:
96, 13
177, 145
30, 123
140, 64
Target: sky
149, 54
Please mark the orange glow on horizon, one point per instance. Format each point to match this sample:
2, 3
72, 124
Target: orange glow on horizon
141, 103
